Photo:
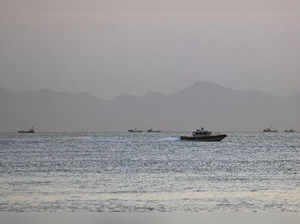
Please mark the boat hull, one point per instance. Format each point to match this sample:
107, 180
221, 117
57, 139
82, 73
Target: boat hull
135, 131
209, 138
26, 132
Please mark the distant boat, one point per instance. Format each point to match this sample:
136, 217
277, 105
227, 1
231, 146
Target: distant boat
29, 131
135, 130
289, 131
270, 130
203, 136
153, 131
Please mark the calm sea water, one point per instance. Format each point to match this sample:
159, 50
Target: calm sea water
149, 172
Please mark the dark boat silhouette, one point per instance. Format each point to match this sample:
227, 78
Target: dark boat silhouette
153, 131
29, 131
289, 131
135, 130
270, 130
203, 136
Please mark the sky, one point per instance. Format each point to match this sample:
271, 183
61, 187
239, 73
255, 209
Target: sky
111, 47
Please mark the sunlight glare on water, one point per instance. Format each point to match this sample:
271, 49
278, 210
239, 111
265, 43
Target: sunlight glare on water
149, 172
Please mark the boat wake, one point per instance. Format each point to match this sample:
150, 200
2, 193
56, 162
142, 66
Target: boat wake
70, 138
153, 140
167, 139
110, 140
98, 139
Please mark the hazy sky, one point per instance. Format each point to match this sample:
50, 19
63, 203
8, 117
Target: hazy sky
109, 47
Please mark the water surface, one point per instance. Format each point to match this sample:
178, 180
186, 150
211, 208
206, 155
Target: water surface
149, 172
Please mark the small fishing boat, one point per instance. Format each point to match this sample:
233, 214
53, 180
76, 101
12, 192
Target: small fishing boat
289, 131
29, 131
135, 130
153, 131
204, 136
270, 130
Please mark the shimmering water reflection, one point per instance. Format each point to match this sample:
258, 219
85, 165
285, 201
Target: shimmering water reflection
149, 172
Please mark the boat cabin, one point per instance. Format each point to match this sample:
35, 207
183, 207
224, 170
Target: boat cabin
201, 132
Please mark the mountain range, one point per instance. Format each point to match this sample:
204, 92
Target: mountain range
201, 104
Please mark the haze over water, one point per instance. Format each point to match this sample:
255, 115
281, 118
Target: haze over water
119, 171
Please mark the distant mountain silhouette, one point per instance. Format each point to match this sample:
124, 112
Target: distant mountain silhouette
202, 104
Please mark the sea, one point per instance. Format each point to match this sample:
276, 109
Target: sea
149, 172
